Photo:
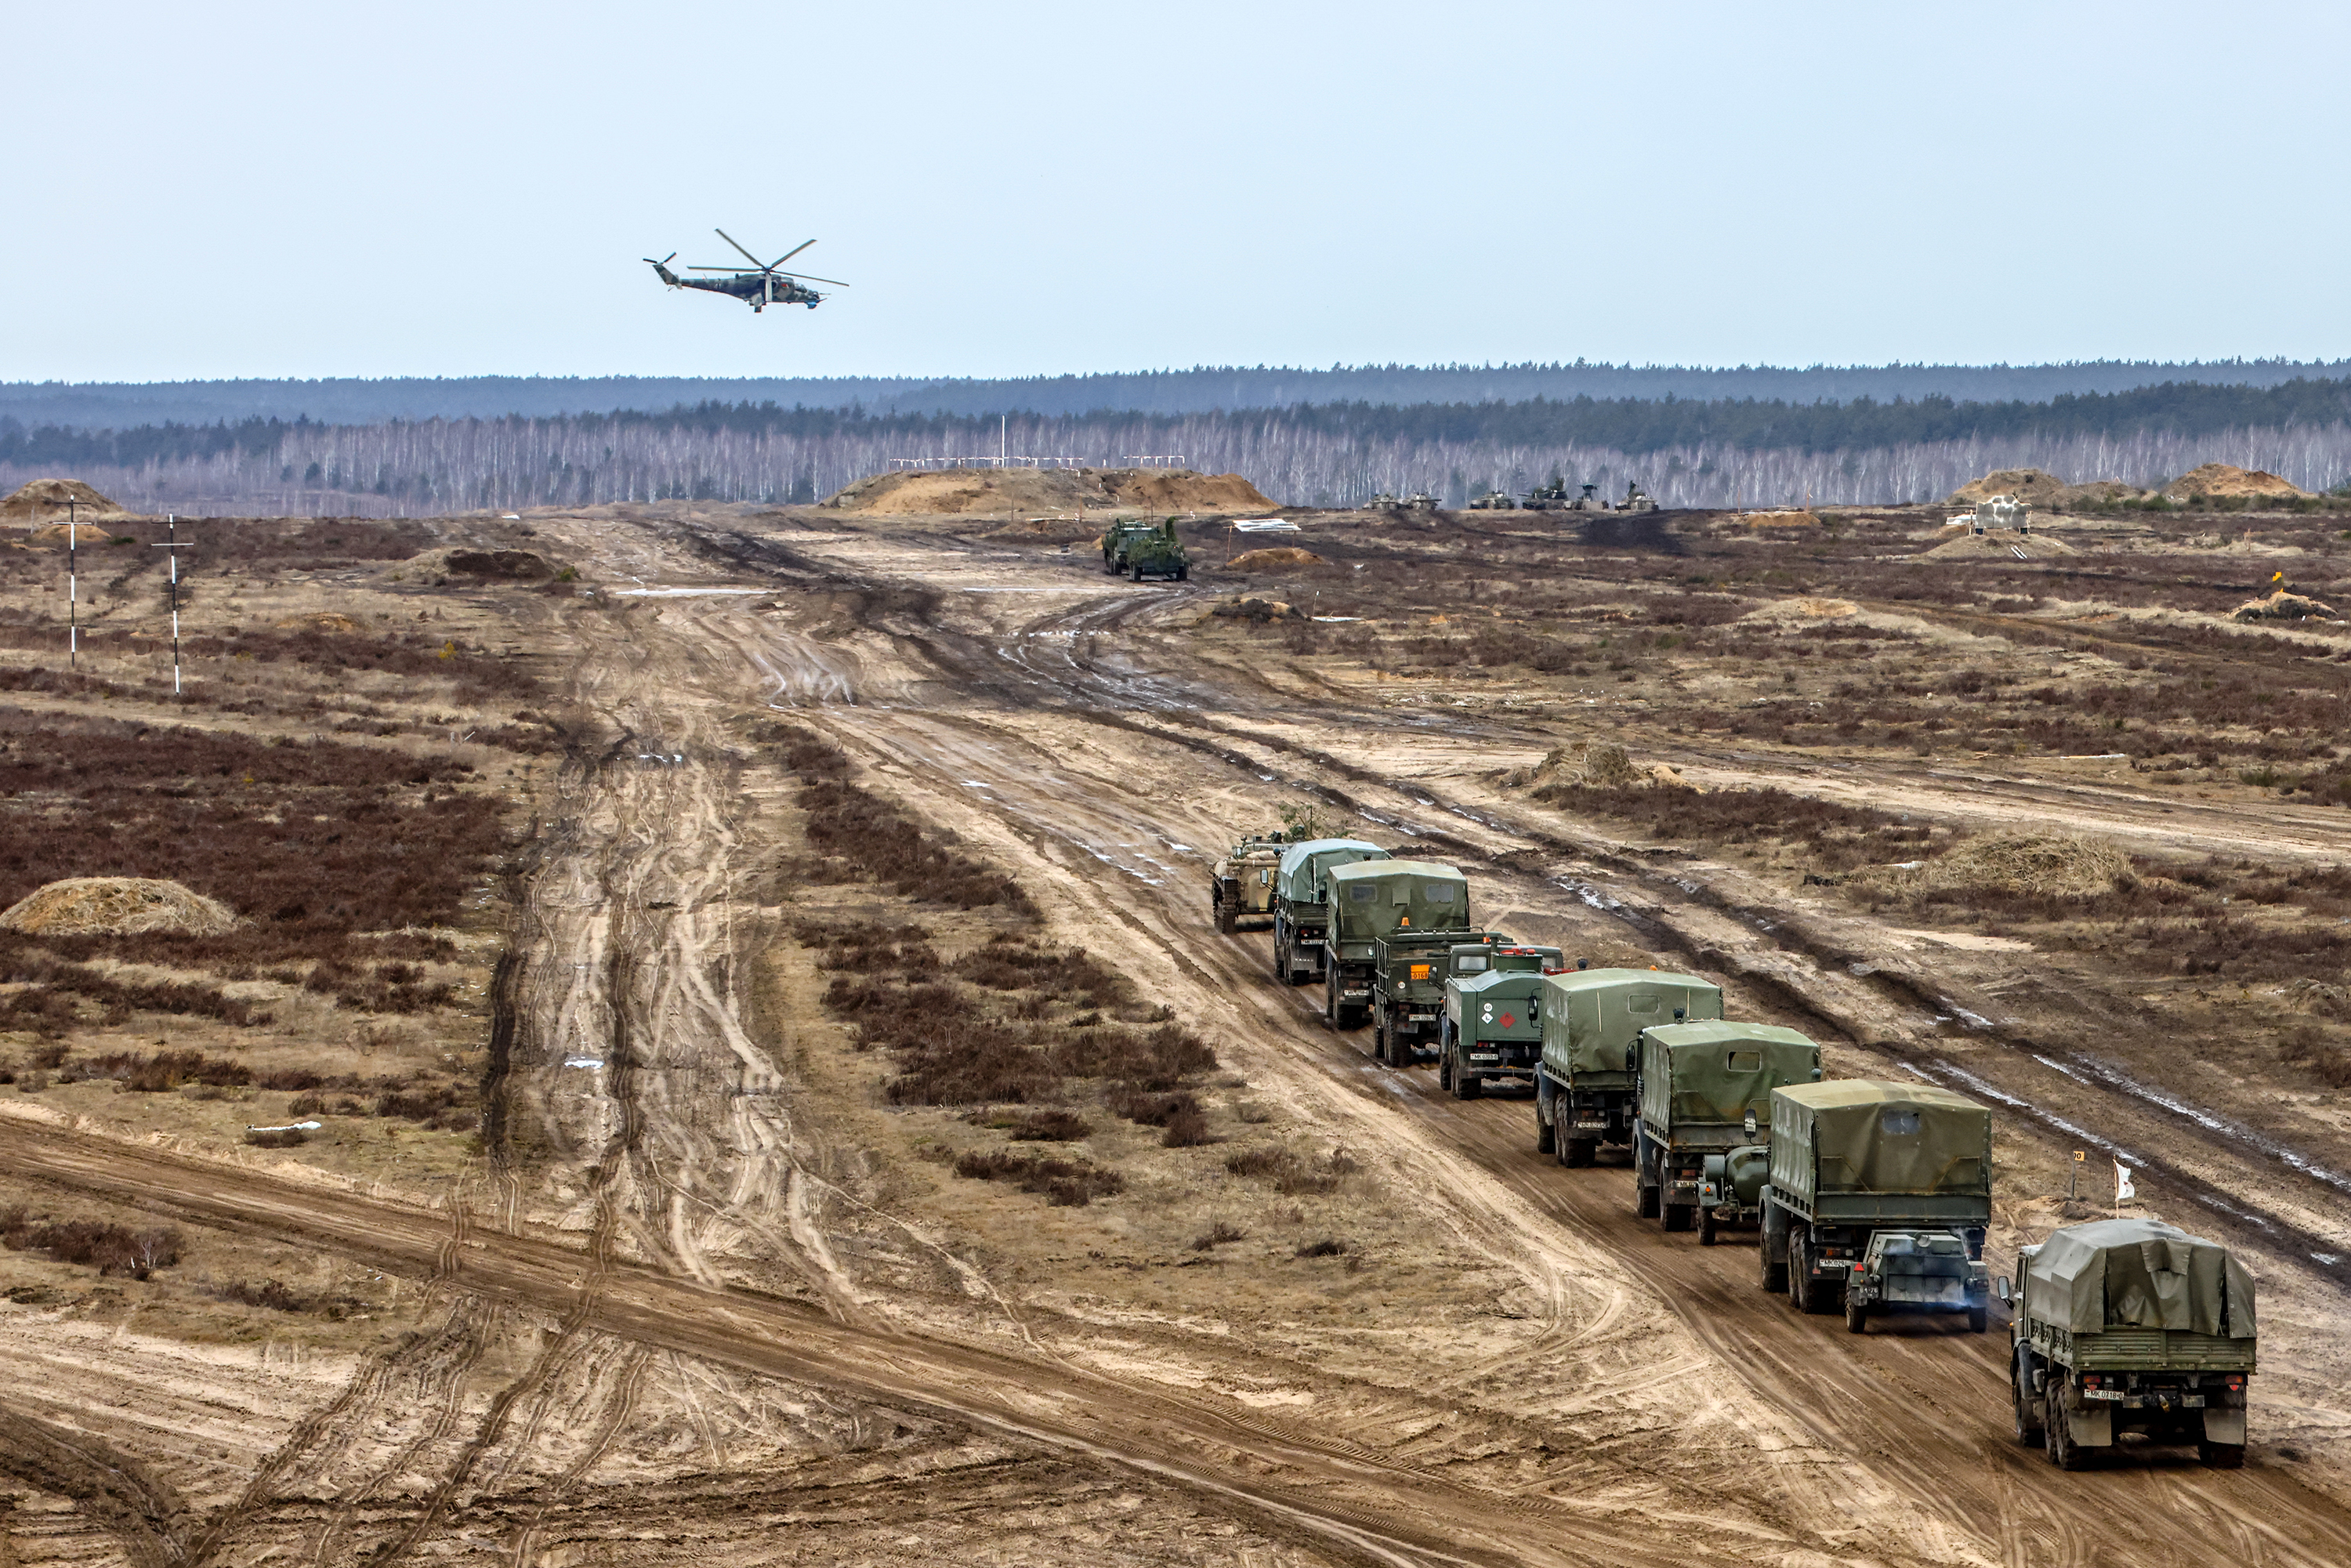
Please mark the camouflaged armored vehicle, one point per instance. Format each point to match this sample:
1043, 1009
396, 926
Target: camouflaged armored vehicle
1301, 903
2130, 1326
1590, 500
1418, 501
1241, 885
1495, 501
1855, 1157
1706, 1090
1638, 501
1156, 552
1591, 1024
1492, 1027
1117, 537
1388, 948
1550, 497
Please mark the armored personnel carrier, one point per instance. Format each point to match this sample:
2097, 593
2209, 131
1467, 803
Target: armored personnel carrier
1590, 500
1550, 497
1638, 501
1241, 885
1495, 501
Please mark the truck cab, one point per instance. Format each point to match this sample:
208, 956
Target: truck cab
1492, 1024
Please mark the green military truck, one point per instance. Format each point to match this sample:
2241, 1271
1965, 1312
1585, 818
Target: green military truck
1591, 1024
1491, 1028
1138, 550
1705, 1089
1241, 885
1387, 945
1301, 903
1853, 1158
2130, 1326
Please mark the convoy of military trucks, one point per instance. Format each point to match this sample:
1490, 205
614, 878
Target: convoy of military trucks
1869, 1198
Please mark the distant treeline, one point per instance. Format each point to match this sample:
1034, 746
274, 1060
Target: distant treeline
1201, 390
1634, 426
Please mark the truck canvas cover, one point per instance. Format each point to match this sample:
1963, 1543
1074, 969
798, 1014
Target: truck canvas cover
1714, 1072
1860, 1136
1302, 866
2141, 1274
1501, 1004
1371, 899
1592, 1018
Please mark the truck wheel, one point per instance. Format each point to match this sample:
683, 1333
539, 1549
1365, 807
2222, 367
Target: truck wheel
1546, 1135
2064, 1452
1678, 1215
1445, 1072
1581, 1152
1646, 1204
2223, 1456
1228, 918
2028, 1403
1772, 1246
1466, 1085
1706, 1227
1380, 1045
1184, 573
1281, 970
1979, 1319
1857, 1318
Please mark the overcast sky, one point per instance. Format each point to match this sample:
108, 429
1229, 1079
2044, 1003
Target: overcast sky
243, 189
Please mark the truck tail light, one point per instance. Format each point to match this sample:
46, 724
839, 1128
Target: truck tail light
2234, 1384
2091, 1380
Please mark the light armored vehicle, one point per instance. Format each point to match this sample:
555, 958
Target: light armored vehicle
1157, 552
1495, 501
1591, 1024
1492, 1026
1592, 500
1995, 513
1705, 1088
2130, 1326
1853, 1158
1638, 501
1241, 885
1917, 1272
1418, 501
1301, 903
1387, 947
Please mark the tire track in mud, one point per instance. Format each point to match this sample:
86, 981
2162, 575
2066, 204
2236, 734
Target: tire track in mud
1346, 1499
123, 1497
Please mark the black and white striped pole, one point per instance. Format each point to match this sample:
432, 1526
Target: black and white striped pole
172, 538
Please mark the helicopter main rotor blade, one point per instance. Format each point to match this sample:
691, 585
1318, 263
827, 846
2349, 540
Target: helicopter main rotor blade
738, 271
789, 254
757, 264
813, 277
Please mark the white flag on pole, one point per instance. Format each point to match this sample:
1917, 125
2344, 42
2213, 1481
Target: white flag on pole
2124, 1191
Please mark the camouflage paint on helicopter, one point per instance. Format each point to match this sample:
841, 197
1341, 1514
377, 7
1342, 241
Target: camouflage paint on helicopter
758, 286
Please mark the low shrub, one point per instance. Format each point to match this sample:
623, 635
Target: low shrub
275, 1137
111, 1248
1065, 1183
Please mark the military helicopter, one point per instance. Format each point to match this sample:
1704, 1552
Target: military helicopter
758, 286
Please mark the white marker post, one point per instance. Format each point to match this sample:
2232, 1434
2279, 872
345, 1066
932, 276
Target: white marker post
171, 535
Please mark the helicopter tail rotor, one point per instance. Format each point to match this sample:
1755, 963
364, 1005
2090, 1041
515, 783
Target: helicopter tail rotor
662, 268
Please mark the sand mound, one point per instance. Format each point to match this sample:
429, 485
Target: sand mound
1595, 764
1793, 517
1045, 531
116, 906
2283, 606
512, 565
1250, 609
2222, 479
321, 621
1276, 559
955, 492
39, 500
2056, 865
2040, 491
2001, 546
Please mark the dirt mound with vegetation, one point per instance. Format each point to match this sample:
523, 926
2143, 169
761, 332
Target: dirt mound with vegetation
2283, 606
1594, 764
2226, 481
955, 492
1250, 609
2050, 865
2001, 546
1280, 558
39, 500
116, 906
1067, 531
